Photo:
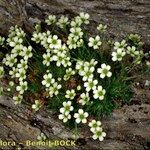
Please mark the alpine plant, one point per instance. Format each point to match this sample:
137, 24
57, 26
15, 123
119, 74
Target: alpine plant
67, 68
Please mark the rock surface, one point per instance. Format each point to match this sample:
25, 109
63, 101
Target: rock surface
129, 126
122, 17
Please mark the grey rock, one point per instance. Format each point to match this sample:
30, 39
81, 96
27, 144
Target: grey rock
122, 17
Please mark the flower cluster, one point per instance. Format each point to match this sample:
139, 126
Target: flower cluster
52, 87
61, 57
65, 111
55, 50
122, 49
97, 130
76, 34
119, 52
75, 56
83, 18
17, 60
86, 69
16, 36
75, 38
136, 39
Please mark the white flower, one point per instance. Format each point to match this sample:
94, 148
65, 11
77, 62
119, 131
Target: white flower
59, 57
84, 17
76, 32
90, 85
80, 65
94, 125
11, 83
47, 59
72, 42
84, 98
22, 87
54, 42
132, 51
86, 69
69, 73
51, 19
99, 134
1, 71
99, 92
22, 64
81, 116
120, 45
66, 62
101, 27
18, 99
27, 52
136, 39
37, 37
13, 72
37, 27
94, 42
15, 32
10, 60
87, 73
66, 108
54, 89
44, 41
70, 94
41, 137
59, 79
17, 50
37, 105
104, 71
148, 63
92, 63
14, 41
80, 43
8, 89
118, 55
79, 87
64, 117
48, 80
76, 22
63, 49
63, 21
21, 74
